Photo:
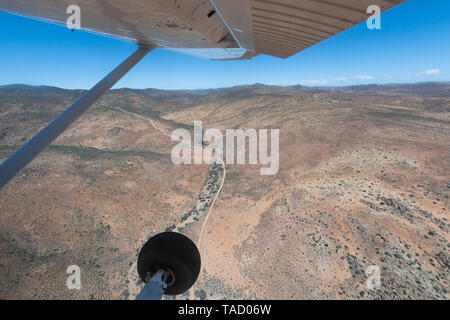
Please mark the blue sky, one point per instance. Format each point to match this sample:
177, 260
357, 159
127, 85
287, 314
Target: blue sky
412, 46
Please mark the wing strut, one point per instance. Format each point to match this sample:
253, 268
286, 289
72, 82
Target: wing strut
22, 157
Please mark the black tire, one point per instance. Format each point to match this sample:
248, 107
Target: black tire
171, 251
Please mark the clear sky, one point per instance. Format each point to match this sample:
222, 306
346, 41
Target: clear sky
412, 46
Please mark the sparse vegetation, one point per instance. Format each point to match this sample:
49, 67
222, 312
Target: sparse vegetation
363, 181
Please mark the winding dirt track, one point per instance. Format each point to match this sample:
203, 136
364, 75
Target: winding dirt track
205, 221
202, 230
145, 119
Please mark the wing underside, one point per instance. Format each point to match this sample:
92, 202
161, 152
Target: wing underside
214, 29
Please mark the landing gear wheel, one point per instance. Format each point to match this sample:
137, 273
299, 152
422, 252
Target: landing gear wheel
175, 254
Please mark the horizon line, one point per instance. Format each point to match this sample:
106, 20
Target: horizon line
236, 86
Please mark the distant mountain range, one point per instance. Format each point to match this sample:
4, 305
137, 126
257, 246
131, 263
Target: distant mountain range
420, 88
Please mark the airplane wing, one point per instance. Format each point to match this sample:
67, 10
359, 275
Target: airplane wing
213, 29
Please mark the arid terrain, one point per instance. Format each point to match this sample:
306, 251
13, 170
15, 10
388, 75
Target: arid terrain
364, 180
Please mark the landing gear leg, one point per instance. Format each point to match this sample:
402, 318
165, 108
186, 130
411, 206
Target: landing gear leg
155, 287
